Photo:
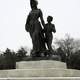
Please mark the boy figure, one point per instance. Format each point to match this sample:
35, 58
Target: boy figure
49, 28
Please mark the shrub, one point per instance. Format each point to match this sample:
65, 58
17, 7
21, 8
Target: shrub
8, 60
21, 53
73, 61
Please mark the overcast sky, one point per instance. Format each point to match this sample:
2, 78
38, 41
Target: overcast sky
13, 14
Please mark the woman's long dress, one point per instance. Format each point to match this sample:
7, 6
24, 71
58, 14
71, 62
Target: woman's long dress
33, 26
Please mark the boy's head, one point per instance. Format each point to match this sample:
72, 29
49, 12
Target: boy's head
49, 19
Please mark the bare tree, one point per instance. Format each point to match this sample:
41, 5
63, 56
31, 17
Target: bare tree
76, 45
66, 44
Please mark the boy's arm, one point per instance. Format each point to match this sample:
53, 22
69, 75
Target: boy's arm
53, 28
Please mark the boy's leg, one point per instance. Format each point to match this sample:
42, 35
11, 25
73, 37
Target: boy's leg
49, 42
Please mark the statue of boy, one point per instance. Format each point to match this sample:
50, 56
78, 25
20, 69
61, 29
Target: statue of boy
49, 28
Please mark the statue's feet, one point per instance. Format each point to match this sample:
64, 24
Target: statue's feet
32, 54
48, 53
35, 53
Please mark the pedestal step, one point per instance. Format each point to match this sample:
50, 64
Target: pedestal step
40, 64
23, 73
41, 78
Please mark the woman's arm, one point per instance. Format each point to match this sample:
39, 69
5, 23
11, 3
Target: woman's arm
41, 18
27, 24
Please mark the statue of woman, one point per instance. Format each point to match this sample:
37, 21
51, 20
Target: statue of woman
33, 26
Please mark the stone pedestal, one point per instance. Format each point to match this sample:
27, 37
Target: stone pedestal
40, 70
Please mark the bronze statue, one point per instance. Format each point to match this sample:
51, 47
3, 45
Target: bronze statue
33, 26
41, 33
49, 28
